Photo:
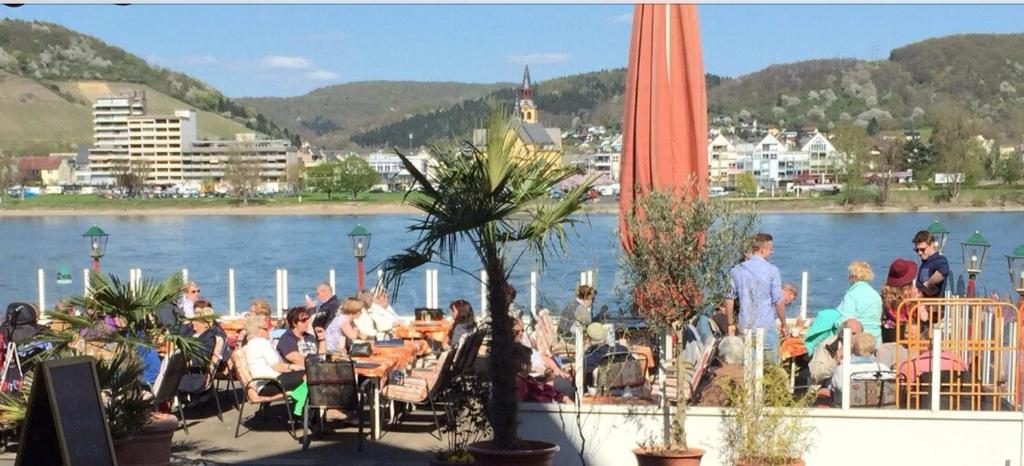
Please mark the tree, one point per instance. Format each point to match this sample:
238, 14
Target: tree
325, 178
746, 184
356, 175
890, 158
293, 175
854, 144
242, 172
958, 151
486, 198
1012, 169
8, 173
678, 267
131, 177
921, 160
872, 128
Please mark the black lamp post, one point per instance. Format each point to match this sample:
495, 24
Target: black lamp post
97, 240
1015, 262
974, 250
940, 233
360, 240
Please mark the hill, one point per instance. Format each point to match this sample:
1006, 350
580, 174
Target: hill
48, 56
983, 73
34, 119
331, 115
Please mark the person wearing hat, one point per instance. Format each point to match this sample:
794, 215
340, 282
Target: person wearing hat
899, 286
597, 350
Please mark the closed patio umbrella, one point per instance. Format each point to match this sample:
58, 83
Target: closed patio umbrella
664, 136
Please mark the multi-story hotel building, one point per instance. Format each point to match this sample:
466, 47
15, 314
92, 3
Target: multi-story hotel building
110, 152
208, 159
157, 143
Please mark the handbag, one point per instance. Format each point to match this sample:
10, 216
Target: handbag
619, 373
360, 349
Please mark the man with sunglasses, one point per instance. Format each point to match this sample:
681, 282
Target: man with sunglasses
931, 275
188, 301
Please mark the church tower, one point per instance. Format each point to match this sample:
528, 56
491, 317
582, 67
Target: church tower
527, 109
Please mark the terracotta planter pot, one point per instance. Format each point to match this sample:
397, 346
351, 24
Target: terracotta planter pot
757, 462
149, 446
437, 462
689, 457
534, 453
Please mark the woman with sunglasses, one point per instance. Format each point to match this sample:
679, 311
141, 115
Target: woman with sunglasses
297, 343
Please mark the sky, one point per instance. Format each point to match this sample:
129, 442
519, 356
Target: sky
287, 50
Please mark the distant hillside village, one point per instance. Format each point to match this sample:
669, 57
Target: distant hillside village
135, 151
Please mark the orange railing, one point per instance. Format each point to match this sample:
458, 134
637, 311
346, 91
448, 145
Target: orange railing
979, 342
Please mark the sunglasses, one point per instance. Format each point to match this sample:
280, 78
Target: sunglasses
304, 320
920, 249
195, 291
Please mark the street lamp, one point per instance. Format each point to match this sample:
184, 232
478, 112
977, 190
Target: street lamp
974, 251
940, 233
97, 241
360, 240
1015, 262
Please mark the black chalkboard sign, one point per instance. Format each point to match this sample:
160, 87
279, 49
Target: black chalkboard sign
65, 422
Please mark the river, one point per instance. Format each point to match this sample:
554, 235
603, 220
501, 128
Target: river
308, 246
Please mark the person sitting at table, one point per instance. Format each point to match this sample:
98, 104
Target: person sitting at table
383, 315
265, 362
463, 322
727, 375
194, 382
597, 350
543, 367
258, 307
577, 311
296, 343
363, 321
341, 332
529, 388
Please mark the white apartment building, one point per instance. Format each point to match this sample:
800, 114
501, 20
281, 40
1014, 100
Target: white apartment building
772, 162
393, 173
157, 143
111, 140
206, 160
606, 163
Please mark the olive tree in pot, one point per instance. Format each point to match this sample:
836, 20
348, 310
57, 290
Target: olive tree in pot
493, 199
466, 420
682, 247
119, 326
766, 428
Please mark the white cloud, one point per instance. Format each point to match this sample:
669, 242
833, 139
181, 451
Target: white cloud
539, 58
285, 61
623, 18
321, 75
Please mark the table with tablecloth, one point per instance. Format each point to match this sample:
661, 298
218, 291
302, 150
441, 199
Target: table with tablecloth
435, 330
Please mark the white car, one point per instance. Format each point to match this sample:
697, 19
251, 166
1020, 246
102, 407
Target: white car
608, 189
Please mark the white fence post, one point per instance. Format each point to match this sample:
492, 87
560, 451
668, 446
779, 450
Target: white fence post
847, 367
483, 292
759, 364
583, 278
284, 289
231, 292
184, 275
331, 278
278, 287
42, 290
427, 289
936, 360
803, 296
533, 292
577, 331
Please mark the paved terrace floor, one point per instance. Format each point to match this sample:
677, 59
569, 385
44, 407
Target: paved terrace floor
212, 442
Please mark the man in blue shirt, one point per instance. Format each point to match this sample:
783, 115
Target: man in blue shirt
931, 275
757, 285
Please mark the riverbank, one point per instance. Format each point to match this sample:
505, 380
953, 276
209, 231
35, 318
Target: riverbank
397, 208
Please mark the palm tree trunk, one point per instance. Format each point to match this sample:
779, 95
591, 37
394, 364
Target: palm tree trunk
503, 373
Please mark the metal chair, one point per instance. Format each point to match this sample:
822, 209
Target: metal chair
252, 395
333, 384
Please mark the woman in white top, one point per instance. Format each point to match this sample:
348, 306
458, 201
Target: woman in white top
264, 361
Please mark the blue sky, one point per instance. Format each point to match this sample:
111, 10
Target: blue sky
278, 50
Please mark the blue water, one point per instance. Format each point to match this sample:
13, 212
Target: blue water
308, 246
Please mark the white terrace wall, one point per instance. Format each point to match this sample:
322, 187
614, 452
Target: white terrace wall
856, 437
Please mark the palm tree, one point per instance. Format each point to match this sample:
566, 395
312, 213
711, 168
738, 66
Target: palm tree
490, 198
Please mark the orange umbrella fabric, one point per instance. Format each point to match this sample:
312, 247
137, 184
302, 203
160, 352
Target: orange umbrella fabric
665, 127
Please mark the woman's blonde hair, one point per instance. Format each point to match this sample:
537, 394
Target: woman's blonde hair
254, 324
262, 307
351, 306
860, 271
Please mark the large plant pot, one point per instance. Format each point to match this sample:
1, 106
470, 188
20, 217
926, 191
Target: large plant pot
689, 457
532, 453
757, 462
149, 446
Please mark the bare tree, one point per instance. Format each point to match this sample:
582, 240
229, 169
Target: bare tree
890, 158
8, 172
131, 177
242, 172
293, 175
958, 150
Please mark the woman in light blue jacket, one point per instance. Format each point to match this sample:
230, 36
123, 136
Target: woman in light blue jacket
861, 301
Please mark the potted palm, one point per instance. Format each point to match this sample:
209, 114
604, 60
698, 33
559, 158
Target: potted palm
767, 428
683, 246
124, 331
491, 199
466, 420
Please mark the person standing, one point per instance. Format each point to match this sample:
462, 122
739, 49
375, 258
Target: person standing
757, 285
931, 275
577, 311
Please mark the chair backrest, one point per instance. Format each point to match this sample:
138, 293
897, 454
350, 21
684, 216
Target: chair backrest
444, 376
472, 344
875, 393
242, 372
172, 369
332, 384
618, 370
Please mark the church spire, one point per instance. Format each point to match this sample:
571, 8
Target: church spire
527, 109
